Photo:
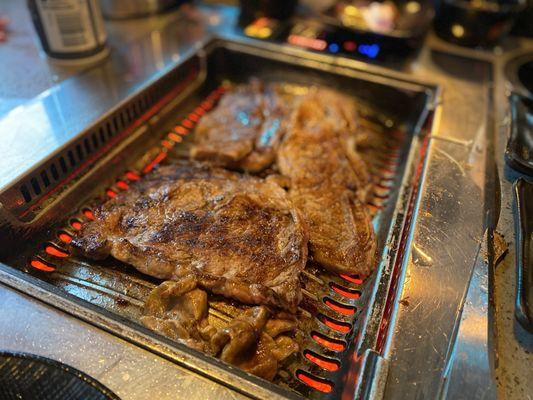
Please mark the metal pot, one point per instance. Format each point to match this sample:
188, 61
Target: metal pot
119, 9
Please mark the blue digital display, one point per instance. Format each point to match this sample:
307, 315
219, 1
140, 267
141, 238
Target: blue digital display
369, 50
333, 48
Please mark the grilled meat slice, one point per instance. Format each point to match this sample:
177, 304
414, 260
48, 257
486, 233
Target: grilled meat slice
255, 340
241, 236
324, 126
247, 346
341, 237
179, 311
324, 185
245, 129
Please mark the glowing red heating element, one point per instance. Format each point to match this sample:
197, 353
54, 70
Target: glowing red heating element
54, 251
76, 225
207, 105
340, 308
350, 293
167, 144
151, 165
187, 123
123, 185
65, 237
88, 214
40, 265
327, 342
180, 130
302, 41
319, 384
194, 117
323, 362
352, 278
132, 176
338, 326
174, 137
199, 111
213, 96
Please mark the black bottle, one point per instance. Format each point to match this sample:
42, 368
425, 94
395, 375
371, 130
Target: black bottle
69, 29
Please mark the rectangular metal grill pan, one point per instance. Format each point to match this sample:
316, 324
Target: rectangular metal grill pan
344, 319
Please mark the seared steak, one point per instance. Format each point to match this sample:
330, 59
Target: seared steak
245, 129
341, 237
240, 236
324, 126
326, 176
255, 340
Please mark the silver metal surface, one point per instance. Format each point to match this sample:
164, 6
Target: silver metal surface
129, 371
470, 374
134, 8
448, 231
59, 114
450, 224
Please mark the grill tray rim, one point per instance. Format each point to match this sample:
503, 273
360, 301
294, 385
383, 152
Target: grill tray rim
118, 325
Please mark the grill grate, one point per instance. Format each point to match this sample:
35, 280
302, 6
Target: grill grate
332, 304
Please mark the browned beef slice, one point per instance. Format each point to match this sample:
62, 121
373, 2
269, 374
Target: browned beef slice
245, 129
241, 236
330, 119
325, 179
341, 236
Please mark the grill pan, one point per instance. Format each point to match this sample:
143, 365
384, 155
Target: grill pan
344, 319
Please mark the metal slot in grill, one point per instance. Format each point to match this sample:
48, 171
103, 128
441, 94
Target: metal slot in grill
340, 314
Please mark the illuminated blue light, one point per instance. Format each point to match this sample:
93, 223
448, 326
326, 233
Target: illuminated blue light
333, 48
369, 50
